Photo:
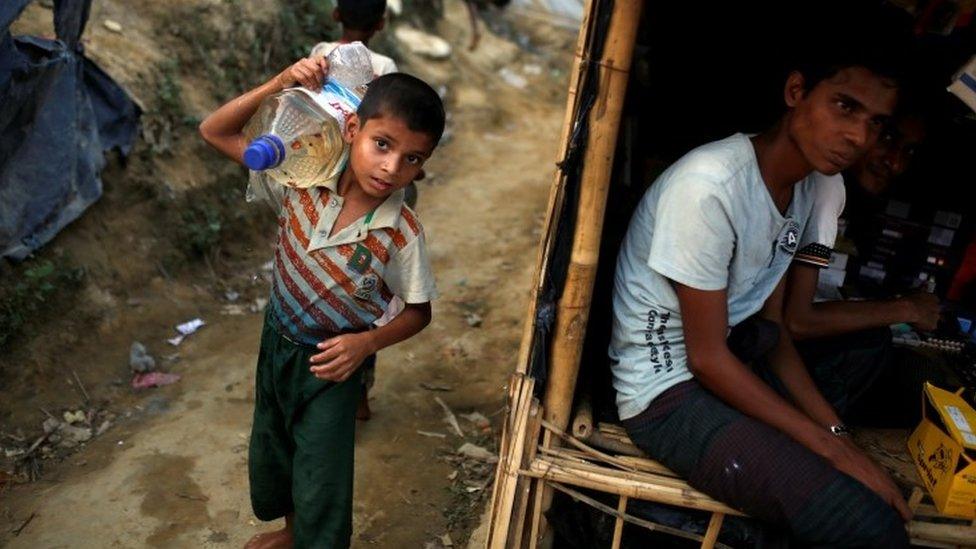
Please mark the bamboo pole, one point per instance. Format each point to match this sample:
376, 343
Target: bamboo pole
573, 307
953, 534
652, 526
714, 527
643, 465
612, 429
577, 465
632, 485
591, 451
523, 487
510, 463
583, 418
536, 530
556, 194
604, 120
618, 527
600, 440
514, 386
923, 531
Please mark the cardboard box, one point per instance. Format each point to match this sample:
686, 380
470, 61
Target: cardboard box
943, 448
964, 83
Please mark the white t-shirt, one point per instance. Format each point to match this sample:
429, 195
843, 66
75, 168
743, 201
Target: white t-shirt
381, 63
819, 253
829, 202
708, 222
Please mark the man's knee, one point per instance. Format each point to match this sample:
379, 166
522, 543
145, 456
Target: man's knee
848, 514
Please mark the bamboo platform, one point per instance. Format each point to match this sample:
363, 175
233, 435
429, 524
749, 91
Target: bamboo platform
607, 461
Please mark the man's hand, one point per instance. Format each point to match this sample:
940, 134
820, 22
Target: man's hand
850, 459
341, 355
922, 310
309, 72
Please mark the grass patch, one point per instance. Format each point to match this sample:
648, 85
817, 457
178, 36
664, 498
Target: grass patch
32, 289
214, 221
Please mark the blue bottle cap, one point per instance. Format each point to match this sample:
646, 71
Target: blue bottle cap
266, 151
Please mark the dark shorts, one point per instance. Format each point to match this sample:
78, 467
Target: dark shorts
759, 470
302, 440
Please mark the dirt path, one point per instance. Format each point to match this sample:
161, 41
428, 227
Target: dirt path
178, 478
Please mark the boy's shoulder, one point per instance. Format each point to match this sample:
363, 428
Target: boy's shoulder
399, 221
322, 49
409, 223
382, 64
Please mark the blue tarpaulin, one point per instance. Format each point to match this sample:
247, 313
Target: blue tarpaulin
59, 113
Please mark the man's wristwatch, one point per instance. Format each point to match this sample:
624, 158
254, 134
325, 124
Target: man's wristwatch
840, 430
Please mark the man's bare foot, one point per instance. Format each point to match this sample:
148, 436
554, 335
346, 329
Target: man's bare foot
363, 413
279, 539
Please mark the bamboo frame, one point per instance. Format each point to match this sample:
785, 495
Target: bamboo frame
618, 527
604, 120
511, 457
550, 227
524, 487
948, 532
574, 303
951, 534
583, 418
644, 486
642, 465
641, 478
714, 527
653, 526
556, 193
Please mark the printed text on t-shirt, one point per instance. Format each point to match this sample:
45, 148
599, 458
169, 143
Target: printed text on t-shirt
657, 343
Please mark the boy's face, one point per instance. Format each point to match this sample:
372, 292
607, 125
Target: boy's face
385, 155
839, 120
891, 154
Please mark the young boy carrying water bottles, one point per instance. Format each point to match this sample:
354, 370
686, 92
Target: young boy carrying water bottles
345, 248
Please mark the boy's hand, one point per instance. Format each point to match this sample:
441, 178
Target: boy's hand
309, 72
341, 355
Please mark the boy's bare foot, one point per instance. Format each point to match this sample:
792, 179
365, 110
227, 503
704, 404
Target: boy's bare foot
363, 413
279, 539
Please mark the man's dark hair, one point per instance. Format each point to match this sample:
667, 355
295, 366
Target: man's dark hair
867, 36
361, 15
407, 98
825, 65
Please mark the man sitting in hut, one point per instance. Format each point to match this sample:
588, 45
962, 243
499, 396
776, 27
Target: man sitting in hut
707, 248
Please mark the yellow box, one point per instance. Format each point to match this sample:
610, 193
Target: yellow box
943, 448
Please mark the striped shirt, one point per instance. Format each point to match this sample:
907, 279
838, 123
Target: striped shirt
323, 285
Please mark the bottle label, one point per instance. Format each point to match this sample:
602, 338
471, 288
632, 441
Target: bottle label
336, 100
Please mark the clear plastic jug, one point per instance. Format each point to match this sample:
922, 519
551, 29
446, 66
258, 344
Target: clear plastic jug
296, 135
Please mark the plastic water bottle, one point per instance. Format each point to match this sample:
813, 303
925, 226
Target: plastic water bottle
296, 134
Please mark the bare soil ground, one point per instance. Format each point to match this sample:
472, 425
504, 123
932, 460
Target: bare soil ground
170, 469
